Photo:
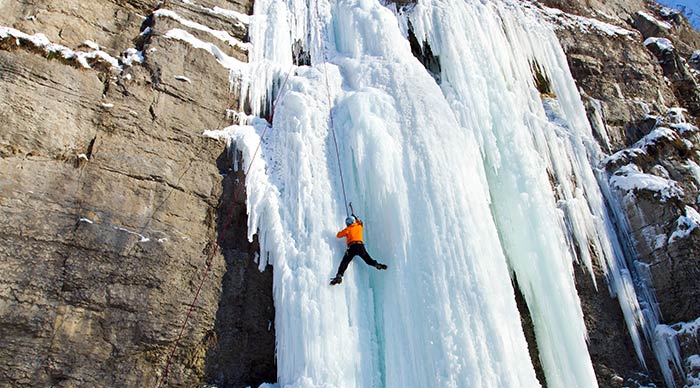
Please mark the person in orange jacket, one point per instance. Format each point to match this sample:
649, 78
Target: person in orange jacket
353, 237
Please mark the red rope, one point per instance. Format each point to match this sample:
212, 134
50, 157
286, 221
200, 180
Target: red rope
220, 239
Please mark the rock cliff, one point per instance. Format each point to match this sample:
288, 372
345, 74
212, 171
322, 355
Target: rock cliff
112, 201
109, 196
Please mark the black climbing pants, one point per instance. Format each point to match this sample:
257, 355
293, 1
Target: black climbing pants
352, 251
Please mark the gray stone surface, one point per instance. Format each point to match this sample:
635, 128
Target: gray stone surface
102, 254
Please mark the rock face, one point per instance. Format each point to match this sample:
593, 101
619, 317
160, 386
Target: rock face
630, 90
109, 196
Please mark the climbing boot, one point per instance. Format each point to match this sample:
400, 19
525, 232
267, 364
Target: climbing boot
380, 266
336, 280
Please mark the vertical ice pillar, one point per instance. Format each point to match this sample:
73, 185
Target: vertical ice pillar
444, 314
487, 52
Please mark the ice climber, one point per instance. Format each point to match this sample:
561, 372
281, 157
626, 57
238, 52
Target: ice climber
353, 237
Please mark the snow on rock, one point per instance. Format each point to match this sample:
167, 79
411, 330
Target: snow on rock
643, 147
693, 377
92, 45
83, 58
690, 328
183, 79
659, 23
561, 19
684, 128
241, 18
219, 34
631, 179
225, 60
131, 55
695, 57
231, 14
676, 115
686, 224
142, 238
662, 43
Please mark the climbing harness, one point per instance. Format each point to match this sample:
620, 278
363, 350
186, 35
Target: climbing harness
219, 241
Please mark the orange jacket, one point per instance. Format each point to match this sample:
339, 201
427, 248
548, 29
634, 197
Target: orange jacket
352, 233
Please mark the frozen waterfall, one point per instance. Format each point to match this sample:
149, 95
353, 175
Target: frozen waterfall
463, 184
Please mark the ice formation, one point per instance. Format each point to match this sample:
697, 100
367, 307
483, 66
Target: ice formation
463, 183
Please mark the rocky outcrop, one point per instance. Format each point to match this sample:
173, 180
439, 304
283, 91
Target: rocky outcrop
109, 196
631, 90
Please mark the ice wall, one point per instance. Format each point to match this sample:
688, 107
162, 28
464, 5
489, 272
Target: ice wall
460, 185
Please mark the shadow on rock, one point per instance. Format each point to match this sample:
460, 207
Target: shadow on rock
242, 351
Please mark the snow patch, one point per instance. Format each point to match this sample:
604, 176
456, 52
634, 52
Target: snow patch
226, 61
663, 43
42, 42
142, 238
676, 115
643, 145
685, 224
659, 23
183, 79
87, 220
92, 45
231, 14
694, 361
630, 179
219, 34
561, 19
131, 55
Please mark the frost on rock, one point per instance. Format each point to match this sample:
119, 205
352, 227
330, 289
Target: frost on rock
686, 224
